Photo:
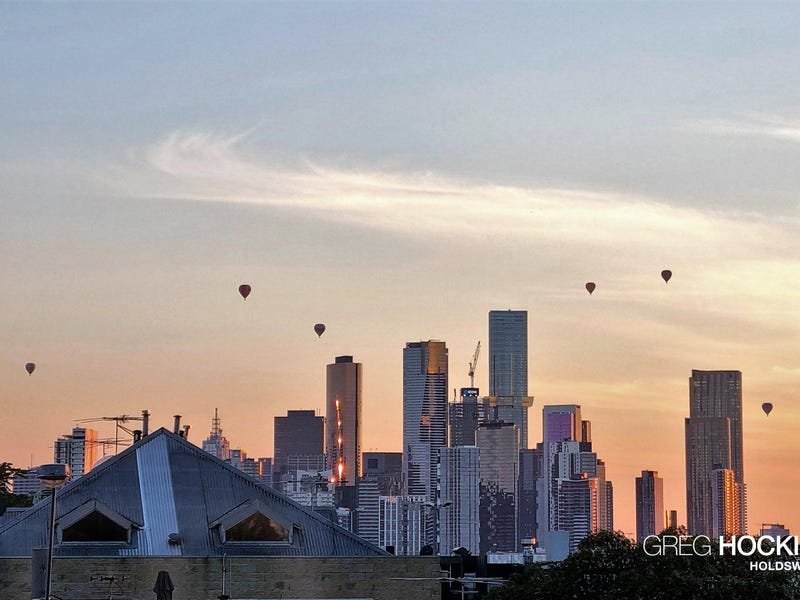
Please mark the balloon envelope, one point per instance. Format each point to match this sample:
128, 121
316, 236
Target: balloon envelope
244, 290
666, 275
767, 407
319, 328
590, 287
29, 367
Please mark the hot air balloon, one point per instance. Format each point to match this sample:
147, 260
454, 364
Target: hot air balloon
767, 408
244, 290
319, 328
30, 367
666, 275
590, 287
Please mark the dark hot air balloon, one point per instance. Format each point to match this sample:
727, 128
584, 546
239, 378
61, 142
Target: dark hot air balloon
30, 367
319, 328
244, 290
767, 408
590, 287
666, 275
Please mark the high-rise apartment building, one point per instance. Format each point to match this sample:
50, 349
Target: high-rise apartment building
216, 443
424, 415
402, 524
726, 509
649, 505
713, 443
382, 476
508, 370
459, 470
78, 449
299, 435
343, 419
498, 442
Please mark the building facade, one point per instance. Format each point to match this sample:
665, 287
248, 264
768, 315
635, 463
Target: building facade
498, 443
459, 481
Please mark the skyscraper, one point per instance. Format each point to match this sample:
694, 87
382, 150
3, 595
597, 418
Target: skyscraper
508, 370
459, 470
424, 415
216, 443
343, 419
714, 442
649, 505
498, 442
298, 435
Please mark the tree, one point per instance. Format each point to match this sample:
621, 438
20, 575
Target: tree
7, 472
609, 566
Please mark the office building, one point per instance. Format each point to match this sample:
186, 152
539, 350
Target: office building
713, 443
217, 444
78, 449
508, 398
649, 505
499, 466
299, 434
459, 481
382, 476
343, 419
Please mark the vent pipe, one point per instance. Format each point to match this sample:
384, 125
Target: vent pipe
145, 422
176, 428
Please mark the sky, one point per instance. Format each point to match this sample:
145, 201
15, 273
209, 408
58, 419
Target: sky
397, 170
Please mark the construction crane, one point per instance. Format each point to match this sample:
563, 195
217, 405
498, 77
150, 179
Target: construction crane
473, 365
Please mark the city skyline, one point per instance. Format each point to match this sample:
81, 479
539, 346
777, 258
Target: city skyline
397, 174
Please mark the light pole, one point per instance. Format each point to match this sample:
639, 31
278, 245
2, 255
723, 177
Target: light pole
52, 477
437, 507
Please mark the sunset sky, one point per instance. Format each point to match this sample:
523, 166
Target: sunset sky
396, 171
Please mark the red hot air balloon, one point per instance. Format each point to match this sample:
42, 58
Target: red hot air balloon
767, 408
30, 367
244, 290
590, 287
666, 275
319, 329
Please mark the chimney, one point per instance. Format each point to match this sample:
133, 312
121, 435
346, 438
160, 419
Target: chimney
137, 435
176, 428
186, 431
145, 422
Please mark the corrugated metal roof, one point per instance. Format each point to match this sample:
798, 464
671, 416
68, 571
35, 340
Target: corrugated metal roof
167, 485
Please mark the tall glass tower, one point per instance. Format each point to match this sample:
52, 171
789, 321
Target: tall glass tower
713, 443
508, 370
424, 415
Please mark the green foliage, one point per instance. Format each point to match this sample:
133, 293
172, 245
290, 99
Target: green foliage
7, 472
608, 566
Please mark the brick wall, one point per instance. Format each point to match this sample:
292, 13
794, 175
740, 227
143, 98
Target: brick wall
76, 578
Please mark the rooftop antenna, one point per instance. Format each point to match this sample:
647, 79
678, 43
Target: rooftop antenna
118, 425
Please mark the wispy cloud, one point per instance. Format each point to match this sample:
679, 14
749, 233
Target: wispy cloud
208, 167
752, 125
